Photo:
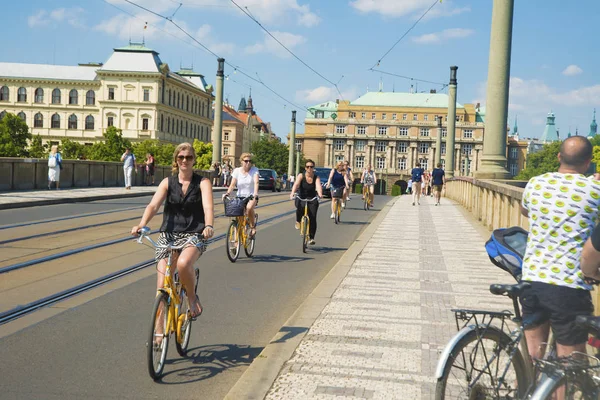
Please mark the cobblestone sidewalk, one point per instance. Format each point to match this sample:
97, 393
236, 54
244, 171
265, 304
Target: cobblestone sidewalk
381, 334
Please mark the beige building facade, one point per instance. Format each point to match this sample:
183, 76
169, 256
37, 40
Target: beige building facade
134, 91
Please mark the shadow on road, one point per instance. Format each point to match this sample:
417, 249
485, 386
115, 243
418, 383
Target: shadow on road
290, 332
274, 258
206, 362
342, 222
323, 250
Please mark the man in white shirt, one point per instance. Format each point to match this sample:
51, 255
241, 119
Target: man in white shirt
128, 167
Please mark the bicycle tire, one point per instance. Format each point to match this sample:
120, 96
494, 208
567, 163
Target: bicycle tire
577, 386
476, 390
249, 245
184, 325
304, 231
338, 211
232, 245
157, 354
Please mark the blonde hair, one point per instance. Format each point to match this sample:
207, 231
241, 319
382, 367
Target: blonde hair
244, 155
181, 147
54, 149
340, 164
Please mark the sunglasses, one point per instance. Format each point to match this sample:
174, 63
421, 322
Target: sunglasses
247, 161
309, 166
186, 158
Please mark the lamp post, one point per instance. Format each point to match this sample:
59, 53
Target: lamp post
218, 126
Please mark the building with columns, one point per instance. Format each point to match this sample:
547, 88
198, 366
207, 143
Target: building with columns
133, 90
392, 132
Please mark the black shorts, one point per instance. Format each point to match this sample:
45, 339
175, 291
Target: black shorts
560, 305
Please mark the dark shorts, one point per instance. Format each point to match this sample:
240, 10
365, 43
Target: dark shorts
560, 305
437, 188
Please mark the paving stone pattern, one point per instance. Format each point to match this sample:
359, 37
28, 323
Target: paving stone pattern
381, 334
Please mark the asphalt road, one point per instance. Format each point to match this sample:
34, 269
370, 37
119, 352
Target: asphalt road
97, 349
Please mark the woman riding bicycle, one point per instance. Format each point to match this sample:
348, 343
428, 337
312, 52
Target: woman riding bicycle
188, 213
309, 185
369, 180
245, 178
338, 181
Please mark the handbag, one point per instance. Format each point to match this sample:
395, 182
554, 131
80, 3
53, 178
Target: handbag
52, 162
234, 207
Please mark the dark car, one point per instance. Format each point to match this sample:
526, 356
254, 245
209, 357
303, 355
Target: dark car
268, 180
323, 174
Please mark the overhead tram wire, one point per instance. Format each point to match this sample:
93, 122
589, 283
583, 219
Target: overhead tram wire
213, 53
406, 77
247, 12
405, 33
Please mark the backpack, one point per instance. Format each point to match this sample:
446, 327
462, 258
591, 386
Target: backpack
506, 249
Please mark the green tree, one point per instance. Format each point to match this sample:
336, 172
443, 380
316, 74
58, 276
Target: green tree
272, 154
204, 153
14, 134
73, 150
541, 162
112, 148
37, 149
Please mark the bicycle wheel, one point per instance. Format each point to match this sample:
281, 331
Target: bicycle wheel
158, 340
304, 225
233, 242
250, 242
184, 325
476, 369
579, 386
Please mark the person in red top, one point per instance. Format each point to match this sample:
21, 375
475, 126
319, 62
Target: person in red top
149, 169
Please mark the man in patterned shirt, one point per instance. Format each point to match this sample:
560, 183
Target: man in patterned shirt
562, 208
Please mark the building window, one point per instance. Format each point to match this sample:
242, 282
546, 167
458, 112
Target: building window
339, 158
467, 149
404, 117
226, 135
339, 144
380, 162
111, 121
38, 120
111, 93
414, 117
444, 132
55, 121
352, 114
89, 123
363, 115
514, 169
73, 96
468, 133
22, 116
423, 147
145, 124
463, 167
298, 144
169, 124
382, 130
318, 114
394, 116
178, 100
187, 101
360, 145
4, 93
424, 132
359, 162
402, 163
403, 132
340, 129
424, 163
380, 145
426, 117
443, 162
361, 130
56, 96
443, 149
39, 95
383, 116
225, 150
372, 115
72, 124
90, 98
402, 147
22, 95
513, 153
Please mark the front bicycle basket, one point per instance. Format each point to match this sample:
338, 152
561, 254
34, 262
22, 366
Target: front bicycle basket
234, 207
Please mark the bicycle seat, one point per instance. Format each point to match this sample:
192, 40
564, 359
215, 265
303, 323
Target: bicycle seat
591, 323
511, 291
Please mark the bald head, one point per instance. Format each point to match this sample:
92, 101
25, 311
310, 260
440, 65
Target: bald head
576, 152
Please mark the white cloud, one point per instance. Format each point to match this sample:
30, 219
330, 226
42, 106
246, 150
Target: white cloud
397, 8
269, 45
73, 16
438, 37
572, 70
323, 93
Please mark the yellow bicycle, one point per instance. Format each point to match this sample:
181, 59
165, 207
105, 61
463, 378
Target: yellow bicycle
367, 197
170, 313
305, 222
238, 235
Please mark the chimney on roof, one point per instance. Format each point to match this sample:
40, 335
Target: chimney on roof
478, 106
433, 91
337, 101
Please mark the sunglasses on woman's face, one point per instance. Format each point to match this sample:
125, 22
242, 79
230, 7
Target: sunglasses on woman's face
186, 158
309, 166
247, 161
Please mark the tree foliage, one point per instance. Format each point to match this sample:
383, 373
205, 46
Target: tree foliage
272, 154
162, 152
204, 153
72, 150
541, 162
112, 148
37, 149
14, 134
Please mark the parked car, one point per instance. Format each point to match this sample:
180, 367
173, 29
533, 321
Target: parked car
268, 180
323, 174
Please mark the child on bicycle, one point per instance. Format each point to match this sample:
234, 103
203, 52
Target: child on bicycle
308, 186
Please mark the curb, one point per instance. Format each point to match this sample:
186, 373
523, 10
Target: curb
256, 381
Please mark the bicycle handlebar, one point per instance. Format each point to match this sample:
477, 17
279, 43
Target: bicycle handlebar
251, 197
144, 234
307, 200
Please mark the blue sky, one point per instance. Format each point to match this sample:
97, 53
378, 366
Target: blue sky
555, 48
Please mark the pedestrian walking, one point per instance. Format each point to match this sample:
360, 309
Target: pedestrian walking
438, 179
128, 167
409, 187
149, 169
216, 174
417, 181
54, 167
284, 180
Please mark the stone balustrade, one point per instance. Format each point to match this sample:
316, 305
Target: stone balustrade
32, 173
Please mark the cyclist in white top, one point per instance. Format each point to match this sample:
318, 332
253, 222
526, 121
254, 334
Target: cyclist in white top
245, 178
369, 180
